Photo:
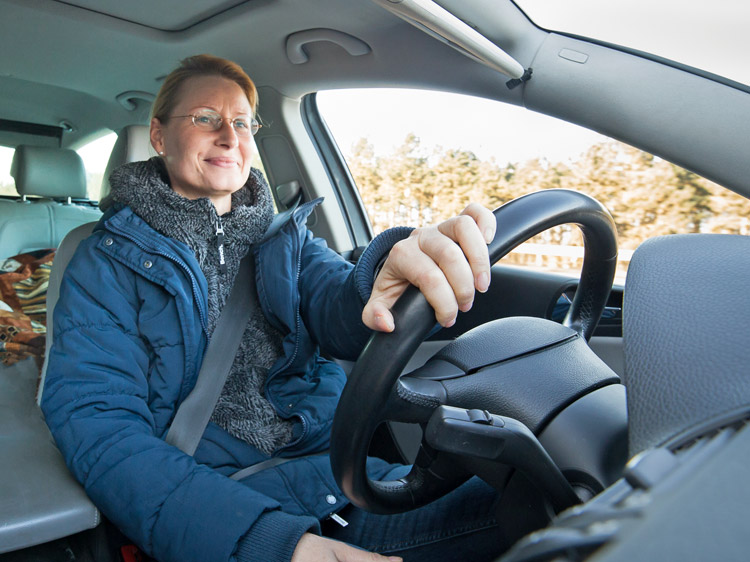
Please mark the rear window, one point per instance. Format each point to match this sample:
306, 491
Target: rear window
7, 185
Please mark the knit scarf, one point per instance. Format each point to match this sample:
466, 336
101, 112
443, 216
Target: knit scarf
242, 409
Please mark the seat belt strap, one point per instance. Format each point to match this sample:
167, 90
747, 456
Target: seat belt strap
192, 416
258, 467
270, 463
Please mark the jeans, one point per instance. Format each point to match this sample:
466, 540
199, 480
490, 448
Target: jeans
459, 526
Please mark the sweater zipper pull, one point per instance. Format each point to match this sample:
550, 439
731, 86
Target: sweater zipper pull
338, 519
220, 244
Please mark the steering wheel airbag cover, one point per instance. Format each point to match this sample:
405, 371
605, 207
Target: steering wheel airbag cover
501, 340
534, 386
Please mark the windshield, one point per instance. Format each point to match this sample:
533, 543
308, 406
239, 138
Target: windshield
710, 36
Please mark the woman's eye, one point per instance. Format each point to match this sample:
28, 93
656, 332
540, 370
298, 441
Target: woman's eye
203, 119
240, 124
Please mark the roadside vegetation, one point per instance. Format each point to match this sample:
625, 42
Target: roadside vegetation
646, 195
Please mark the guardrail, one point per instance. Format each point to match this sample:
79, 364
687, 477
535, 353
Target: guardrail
561, 258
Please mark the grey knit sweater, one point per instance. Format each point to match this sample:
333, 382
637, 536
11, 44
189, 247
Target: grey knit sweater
242, 410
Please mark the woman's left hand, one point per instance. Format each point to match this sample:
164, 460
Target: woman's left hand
446, 262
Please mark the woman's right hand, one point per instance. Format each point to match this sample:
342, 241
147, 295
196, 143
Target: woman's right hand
312, 548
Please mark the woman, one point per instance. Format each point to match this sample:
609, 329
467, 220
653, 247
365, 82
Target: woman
141, 298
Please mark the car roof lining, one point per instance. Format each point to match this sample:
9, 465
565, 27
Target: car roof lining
166, 15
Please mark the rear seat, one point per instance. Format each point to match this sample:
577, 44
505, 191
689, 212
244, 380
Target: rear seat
56, 176
41, 500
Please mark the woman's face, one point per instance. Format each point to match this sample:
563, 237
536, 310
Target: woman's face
202, 163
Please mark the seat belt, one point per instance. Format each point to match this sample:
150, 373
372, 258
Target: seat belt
193, 415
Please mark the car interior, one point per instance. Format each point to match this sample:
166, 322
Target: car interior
609, 410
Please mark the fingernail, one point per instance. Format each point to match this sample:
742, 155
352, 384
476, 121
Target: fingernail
488, 235
449, 323
383, 319
483, 282
465, 307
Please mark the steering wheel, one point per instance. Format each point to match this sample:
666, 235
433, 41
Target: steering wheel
477, 371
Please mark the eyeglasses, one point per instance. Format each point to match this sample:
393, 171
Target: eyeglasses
207, 120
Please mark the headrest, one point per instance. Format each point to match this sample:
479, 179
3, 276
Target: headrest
133, 144
56, 173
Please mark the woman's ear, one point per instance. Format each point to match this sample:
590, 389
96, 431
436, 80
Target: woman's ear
157, 136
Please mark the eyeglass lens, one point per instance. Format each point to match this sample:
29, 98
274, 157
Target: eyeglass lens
212, 121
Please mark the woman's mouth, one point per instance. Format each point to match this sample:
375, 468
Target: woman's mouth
222, 162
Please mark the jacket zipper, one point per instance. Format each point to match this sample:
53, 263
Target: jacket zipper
220, 245
298, 320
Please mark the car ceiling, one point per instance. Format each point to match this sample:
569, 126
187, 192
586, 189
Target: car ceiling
167, 15
71, 60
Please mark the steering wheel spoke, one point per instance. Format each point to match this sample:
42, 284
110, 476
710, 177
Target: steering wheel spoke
413, 400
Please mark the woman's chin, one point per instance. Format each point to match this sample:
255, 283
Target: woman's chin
226, 186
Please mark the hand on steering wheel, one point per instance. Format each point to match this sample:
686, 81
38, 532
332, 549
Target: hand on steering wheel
446, 263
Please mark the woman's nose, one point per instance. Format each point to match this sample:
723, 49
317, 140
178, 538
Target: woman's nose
227, 134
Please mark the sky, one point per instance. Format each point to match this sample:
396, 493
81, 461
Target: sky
490, 129
719, 43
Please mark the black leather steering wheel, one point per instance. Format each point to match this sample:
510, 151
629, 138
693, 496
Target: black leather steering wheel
374, 393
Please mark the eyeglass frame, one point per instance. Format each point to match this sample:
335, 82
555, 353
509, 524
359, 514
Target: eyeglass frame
255, 126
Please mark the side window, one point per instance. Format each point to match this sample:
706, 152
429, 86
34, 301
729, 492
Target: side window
95, 156
7, 185
418, 157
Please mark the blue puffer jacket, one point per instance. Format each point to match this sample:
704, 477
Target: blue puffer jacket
129, 338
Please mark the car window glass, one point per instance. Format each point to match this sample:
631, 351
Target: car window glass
7, 185
95, 156
419, 157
